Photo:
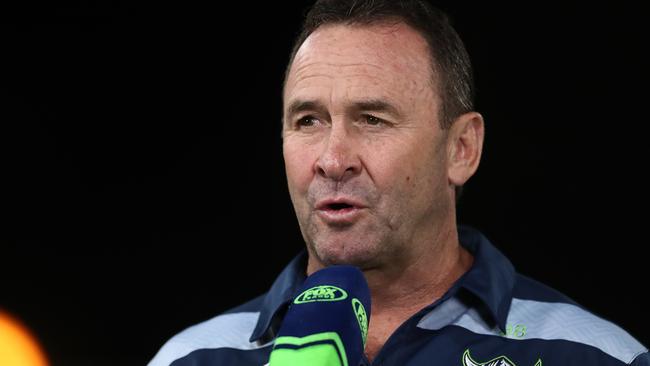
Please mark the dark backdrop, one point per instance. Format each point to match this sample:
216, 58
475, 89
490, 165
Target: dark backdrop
143, 177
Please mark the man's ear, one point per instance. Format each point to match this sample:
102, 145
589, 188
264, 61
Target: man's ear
465, 144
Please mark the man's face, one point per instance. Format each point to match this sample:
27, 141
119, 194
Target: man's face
364, 153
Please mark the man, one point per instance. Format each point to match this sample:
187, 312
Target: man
378, 137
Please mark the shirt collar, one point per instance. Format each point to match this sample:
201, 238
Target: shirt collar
491, 279
276, 300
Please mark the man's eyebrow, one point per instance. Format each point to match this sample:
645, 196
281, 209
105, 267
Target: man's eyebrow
372, 105
300, 105
376, 105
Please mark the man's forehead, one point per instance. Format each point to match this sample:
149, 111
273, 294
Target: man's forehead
387, 34
395, 42
378, 52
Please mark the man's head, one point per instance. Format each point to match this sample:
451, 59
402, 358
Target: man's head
450, 62
378, 130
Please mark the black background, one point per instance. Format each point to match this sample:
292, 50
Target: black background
143, 184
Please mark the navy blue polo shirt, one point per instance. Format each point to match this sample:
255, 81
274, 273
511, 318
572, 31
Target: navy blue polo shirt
491, 316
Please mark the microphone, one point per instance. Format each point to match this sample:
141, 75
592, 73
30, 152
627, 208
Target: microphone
327, 323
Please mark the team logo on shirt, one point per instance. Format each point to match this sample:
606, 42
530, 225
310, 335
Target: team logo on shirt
499, 361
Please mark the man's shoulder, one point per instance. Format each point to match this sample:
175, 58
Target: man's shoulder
544, 313
230, 330
546, 318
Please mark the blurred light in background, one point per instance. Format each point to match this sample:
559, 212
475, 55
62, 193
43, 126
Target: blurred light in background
18, 347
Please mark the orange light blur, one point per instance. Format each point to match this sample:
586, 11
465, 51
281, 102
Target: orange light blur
17, 346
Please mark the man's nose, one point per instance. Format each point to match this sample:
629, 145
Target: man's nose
339, 159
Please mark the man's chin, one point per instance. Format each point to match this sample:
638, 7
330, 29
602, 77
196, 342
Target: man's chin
358, 257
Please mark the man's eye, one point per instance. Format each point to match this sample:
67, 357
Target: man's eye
307, 121
372, 120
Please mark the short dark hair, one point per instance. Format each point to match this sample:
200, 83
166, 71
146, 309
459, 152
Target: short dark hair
449, 59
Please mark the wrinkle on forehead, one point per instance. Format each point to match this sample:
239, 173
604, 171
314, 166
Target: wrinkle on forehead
305, 71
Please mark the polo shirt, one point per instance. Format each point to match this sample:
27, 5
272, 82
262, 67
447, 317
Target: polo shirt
491, 316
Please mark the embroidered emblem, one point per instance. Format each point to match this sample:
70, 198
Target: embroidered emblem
499, 361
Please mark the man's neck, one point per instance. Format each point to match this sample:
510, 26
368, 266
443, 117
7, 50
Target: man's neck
400, 292
426, 277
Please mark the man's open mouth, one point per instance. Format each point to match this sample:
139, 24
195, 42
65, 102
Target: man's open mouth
339, 206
